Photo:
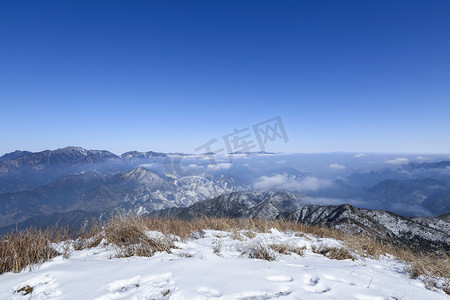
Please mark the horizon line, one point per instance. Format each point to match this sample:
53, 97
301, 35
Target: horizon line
250, 152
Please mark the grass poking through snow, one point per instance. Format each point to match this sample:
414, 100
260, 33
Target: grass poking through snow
146, 236
27, 248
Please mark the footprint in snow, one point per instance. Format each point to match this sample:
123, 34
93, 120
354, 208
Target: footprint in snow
311, 280
314, 285
155, 287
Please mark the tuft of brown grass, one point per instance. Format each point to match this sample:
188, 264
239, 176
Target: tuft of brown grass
334, 252
87, 243
236, 235
89, 239
24, 290
259, 250
33, 246
433, 270
250, 234
130, 236
287, 249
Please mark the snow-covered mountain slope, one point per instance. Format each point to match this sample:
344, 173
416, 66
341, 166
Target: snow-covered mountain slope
142, 190
217, 266
428, 234
254, 204
418, 234
138, 191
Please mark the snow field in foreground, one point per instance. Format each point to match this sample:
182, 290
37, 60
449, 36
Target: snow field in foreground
217, 266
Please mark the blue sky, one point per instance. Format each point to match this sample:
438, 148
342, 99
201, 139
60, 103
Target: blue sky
171, 75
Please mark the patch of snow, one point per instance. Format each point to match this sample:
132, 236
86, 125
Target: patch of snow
194, 271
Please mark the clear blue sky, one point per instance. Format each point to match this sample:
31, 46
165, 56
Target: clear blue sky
171, 75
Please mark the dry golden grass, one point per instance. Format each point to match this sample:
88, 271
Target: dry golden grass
24, 290
21, 249
286, 248
431, 268
236, 235
333, 252
89, 239
129, 235
421, 264
250, 234
259, 250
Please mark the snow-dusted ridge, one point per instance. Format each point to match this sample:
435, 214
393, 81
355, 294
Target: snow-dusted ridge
217, 266
425, 234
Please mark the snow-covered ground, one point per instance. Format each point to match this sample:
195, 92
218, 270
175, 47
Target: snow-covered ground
195, 271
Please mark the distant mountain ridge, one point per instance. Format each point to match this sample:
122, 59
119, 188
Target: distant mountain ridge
430, 193
14, 155
433, 165
67, 155
24, 170
136, 155
70, 155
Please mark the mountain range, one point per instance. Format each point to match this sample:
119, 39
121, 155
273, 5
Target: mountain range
139, 191
24, 170
73, 185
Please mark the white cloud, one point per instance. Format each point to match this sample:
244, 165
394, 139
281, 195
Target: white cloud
195, 166
397, 161
267, 154
410, 210
238, 155
280, 162
421, 158
337, 167
221, 166
149, 165
360, 155
292, 184
206, 157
